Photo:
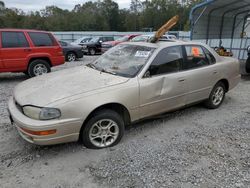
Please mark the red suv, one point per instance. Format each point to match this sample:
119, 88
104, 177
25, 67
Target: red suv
29, 51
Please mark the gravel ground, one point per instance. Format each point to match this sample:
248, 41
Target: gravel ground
193, 147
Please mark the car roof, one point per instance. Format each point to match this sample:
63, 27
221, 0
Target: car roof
23, 30
164, 44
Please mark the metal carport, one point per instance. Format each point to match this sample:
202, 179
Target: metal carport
222, 23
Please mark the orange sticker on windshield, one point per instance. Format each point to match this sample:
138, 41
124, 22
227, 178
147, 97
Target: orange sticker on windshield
195, 51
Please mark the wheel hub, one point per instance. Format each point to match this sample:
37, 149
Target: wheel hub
218, 96
40, 69
104, 133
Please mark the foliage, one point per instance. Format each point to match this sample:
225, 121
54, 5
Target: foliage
101, 15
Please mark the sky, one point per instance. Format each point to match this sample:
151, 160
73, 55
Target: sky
32, 5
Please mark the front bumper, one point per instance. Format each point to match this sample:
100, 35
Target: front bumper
67, 130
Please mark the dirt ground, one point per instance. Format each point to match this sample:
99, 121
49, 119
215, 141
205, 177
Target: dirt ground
193, 147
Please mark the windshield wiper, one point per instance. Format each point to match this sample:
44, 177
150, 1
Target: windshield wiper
92, 66
106, 71
101, 70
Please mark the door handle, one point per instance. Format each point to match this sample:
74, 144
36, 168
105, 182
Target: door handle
27, 50
215, 72
182, 80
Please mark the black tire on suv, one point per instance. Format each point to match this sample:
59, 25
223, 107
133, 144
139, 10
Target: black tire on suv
38, 67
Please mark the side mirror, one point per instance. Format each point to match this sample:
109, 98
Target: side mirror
147, 74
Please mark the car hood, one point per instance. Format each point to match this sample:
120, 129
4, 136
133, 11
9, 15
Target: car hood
47, 89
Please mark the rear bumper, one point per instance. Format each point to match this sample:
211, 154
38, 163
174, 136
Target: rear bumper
66, 130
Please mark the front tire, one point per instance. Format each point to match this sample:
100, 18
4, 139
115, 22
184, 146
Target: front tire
217, 96
104, 129
92, 51
71, 57
38, 67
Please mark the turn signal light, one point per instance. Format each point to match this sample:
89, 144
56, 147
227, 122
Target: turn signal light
39, 133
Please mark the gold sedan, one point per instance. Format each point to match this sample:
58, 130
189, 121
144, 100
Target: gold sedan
130, 82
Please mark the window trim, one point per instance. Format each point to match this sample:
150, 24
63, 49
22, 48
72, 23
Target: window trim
19, 47
207, 55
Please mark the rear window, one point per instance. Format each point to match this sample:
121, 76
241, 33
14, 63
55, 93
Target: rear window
41, 39
14, 40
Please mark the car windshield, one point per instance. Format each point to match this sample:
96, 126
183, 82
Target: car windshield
123, 60
95, 39
80, 40
123, 39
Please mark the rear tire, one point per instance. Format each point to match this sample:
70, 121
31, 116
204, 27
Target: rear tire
104, 129
38, 67
71, 57
216, 97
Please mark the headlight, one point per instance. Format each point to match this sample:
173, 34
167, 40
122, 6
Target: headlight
84, 47
41, 113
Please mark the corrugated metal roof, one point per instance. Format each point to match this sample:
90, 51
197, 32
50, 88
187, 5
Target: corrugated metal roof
219, 19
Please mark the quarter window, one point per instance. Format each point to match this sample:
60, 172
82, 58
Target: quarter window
14, 40
210, 56
168, 60
41, 39
195, 57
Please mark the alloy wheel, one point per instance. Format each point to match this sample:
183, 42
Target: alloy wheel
218, 95
104, 133
40, 69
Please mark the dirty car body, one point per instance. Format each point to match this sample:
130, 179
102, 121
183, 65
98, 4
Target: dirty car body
130, 82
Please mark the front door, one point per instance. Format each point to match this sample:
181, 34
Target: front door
163, 87
14, 51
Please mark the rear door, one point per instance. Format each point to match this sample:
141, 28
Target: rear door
44, 43
164, 87
200, 72
14, 51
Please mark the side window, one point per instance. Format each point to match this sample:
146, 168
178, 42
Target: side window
110, 38
14, 40
41, 39
168, 60
210, 56
195, 57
